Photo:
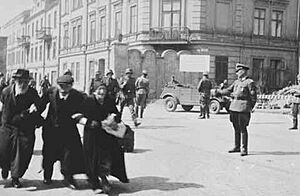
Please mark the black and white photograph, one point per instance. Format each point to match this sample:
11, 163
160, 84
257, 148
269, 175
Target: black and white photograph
149, 97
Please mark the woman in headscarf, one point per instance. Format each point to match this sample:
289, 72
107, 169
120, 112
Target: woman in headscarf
103, 154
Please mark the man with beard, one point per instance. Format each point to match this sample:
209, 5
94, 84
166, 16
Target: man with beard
60, 135
19, 104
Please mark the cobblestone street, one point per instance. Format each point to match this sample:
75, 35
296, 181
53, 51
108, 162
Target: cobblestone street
178, 154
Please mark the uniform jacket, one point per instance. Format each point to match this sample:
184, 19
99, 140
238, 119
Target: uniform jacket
243, 92
112, 87
128, 87
142, 85
204, 87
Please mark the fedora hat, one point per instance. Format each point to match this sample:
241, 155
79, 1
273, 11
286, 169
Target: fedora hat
22, 74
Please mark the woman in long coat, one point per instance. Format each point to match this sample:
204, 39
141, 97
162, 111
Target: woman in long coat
102, 151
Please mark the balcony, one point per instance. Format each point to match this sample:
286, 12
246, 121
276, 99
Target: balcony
44, 34
169, 34
24, 41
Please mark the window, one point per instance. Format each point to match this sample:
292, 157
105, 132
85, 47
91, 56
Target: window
54, 50
91, 69
22, 57
133, 19
74, 33
221, 68
171, 13
92, 28
276, 24
65, 67
41, 53
36, 26
223, 16
259, 21
79, 34
32, 30
36, 54
73, 68
77, 4
49, 20
55, 20
102, 25
48, 51
118, 23
42, 23
67, 6
275, 75
91, 1
257, 69
66, 36
31, 55
77, 75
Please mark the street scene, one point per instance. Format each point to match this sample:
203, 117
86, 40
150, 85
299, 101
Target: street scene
175, 154
149, 97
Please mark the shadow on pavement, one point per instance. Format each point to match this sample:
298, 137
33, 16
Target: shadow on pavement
274, 153
139, 151
268, 123
150, 183
162, 127
37, 185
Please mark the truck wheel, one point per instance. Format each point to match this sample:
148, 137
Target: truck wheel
214, 107
170, 104
187, 107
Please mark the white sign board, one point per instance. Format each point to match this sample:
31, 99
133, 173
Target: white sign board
194, 63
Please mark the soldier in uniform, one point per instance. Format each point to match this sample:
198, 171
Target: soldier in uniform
142, 91
243, 91
295, 91
128, 89
95, 82
204, 88
112, 85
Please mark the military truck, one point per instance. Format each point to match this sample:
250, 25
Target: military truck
188, 97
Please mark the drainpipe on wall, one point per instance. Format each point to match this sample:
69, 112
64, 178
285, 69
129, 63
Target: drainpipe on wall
109, 36
297, 35
59, 37
85, 45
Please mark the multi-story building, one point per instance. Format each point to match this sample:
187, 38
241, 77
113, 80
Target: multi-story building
3, 51
14, 30
42, 27
153, 33
33, 40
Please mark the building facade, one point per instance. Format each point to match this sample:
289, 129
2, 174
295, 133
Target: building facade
97, 35
3, 51
33, 40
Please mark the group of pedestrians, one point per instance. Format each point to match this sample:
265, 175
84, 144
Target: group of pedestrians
22, 106
127, 92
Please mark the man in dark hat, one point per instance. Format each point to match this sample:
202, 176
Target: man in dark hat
60, 135
243, 91
95, 82
142, 91
19, 104
204, 88
112, 85
128, 89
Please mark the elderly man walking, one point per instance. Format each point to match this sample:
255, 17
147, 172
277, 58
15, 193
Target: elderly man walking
243, 91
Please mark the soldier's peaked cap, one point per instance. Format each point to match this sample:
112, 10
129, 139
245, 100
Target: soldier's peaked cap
145, 72
239, 66
205, 73
128, 70
65, 79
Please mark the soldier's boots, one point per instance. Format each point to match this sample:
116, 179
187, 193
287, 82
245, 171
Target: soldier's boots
295, 124
4, 174
235, 149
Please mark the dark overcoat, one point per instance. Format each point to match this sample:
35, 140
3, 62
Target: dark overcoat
60, 134
17, 134
103, 153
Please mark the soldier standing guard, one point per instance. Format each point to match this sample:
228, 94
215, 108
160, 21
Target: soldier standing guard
60, 134
112, 85
295, 91
128, 89
243, 91
95, 82
142, 91
204, 88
